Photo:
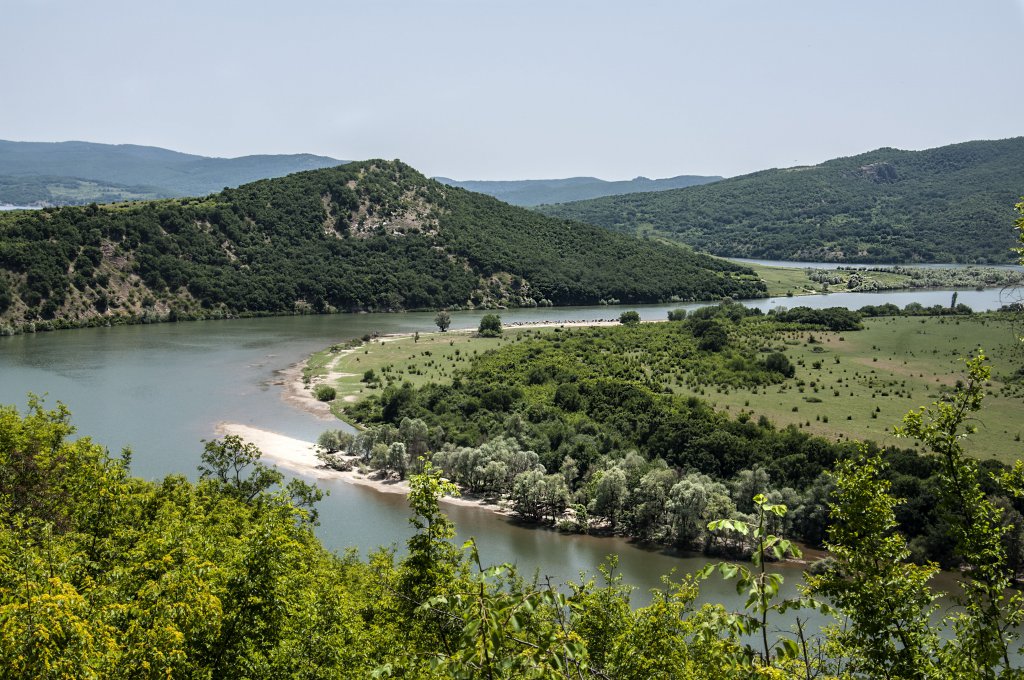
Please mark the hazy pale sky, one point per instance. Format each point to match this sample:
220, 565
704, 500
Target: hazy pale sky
497, 89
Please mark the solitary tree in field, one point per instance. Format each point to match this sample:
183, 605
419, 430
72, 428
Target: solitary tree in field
443, 320
629, 318
490, 326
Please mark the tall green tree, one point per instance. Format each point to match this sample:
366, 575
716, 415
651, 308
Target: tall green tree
986, 626
886, 599
433, 559
443, 320
235, 465
490, 326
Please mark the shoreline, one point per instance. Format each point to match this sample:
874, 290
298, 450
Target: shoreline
299, 456
295, 394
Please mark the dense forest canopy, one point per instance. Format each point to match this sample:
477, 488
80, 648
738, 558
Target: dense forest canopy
375, 235
948, 204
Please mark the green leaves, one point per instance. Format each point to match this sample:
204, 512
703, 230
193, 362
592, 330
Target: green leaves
729, 525
984, 636
1020, 227
761, 587
234, 465
104, 575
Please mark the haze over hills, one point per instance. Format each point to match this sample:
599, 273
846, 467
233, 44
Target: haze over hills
76, 173
531, 192
949, 204
373, 235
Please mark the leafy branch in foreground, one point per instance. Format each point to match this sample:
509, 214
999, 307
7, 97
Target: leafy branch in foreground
887, 600
762, 587
986, 626
494, 623
1020, 227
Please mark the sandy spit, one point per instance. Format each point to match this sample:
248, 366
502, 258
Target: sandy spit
299, 456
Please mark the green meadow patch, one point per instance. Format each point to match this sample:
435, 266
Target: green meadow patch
858, 384
358, 369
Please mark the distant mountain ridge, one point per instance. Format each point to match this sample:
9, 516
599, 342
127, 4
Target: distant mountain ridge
949, 204
533, 192
75, 173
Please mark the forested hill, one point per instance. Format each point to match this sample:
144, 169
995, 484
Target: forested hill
949, 204
374, 235
530, 192
76, 173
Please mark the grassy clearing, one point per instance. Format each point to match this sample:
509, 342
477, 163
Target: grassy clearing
785, 280
431, 358
852, 385
796, 281
857, 385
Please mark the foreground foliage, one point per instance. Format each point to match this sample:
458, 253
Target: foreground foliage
106, 575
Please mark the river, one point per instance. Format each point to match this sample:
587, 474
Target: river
162, 388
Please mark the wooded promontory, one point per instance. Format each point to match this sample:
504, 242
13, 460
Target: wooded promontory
368, 236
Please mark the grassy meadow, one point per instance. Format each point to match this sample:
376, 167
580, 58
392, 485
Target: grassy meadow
859, 384
430, 357
785, 280
797, 281
848, 385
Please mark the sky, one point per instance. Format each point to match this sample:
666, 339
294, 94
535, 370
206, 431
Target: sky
496, 89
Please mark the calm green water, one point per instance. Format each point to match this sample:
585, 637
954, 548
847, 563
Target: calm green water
161, 389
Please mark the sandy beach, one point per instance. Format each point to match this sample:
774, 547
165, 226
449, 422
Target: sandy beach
298, 456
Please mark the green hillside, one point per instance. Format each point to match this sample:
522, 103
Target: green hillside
949, 204
374, 236
531, 192
38, 190
77, 173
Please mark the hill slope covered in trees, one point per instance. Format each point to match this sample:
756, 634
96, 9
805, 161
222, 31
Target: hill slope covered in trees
530, 192
373, 236
949, 204
76, 173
